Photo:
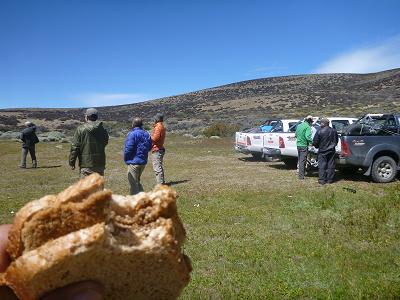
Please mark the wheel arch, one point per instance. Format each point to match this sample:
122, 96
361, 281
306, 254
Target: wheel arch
389, 153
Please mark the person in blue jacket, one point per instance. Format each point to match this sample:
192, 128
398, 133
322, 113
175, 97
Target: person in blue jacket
137, 146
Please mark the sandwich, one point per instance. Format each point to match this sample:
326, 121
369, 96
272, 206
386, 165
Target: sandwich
132, 245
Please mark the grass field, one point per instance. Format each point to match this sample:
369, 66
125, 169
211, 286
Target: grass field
254, 230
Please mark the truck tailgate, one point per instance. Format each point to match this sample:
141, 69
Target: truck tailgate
290, 147
271, 140
241, 138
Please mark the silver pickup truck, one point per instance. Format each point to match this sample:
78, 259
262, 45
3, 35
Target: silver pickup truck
373, 144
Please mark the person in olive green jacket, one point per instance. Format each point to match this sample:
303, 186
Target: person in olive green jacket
88, 145
303, 140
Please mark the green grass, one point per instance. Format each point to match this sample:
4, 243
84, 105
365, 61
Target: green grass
254, 230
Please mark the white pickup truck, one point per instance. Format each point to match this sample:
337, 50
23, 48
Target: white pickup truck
251, 141
283, 144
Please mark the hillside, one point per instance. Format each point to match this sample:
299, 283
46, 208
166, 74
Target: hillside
244, 103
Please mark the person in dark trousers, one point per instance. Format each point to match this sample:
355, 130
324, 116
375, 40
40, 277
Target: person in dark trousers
158, 150
303, 140
326, 140
29, 140
136, 151
88, 145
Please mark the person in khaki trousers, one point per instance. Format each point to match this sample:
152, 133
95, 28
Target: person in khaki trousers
157, 149
137, 147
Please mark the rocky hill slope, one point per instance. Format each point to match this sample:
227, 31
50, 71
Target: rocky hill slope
243, 103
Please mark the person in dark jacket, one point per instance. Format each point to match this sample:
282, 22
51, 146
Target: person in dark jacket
29, 140
88, 145
137, 147
326, 140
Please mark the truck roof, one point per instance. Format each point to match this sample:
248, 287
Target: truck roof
381, 115
341, 118
290, 120
316, 119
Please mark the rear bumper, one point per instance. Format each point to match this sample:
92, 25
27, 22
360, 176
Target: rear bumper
242, 149
344, 161
273, 152
348, 161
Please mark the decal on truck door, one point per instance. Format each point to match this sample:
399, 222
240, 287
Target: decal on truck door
358, 142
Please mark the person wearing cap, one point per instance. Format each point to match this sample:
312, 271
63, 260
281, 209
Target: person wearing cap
326, 140
157, 149
29, 140
88, 145
136, 151
303, 140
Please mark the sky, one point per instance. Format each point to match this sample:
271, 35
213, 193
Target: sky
83, 53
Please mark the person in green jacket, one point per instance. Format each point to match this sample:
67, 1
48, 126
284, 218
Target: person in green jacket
303, 140
88, 145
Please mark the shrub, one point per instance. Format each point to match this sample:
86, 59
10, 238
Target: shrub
10, 135
220, 129
68, 127
9, 120
51, 136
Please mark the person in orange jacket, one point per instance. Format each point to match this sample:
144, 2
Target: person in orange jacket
158, 150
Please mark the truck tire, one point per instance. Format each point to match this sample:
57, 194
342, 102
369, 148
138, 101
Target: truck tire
257, 155
290, 163
383, 169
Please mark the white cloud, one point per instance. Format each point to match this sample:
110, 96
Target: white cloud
365, 60
104, 99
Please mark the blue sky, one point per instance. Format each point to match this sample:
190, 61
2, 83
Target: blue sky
74, 53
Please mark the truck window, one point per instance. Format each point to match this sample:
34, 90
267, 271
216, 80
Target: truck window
293, 127
339, 124
390, 127
391, 121
278, 127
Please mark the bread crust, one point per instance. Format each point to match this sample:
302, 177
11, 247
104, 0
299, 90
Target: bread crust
76, 192
15, 245
133, 249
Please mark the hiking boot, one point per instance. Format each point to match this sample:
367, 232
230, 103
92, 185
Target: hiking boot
34, 164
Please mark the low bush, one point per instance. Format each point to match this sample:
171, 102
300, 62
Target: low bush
220, 129
10, 135
9, 120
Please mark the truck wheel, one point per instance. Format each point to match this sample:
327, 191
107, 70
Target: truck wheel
384, 169
311, 163
291, 163
257, 155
